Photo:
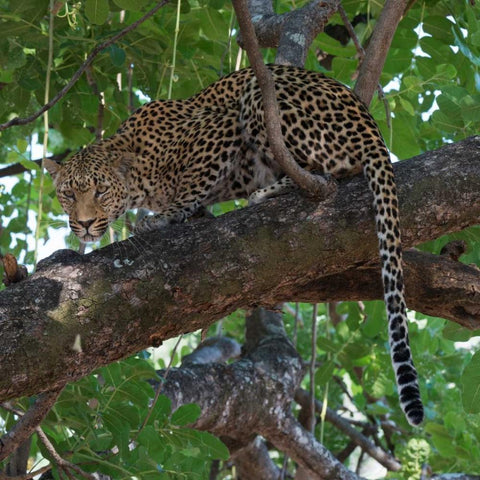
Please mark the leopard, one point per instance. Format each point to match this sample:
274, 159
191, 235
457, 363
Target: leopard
177, 157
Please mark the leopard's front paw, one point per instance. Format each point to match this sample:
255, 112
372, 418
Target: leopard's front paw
150, 223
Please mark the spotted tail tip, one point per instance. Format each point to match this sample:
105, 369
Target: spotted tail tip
415, 416
413, 406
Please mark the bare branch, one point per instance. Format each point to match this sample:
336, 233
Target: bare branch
28, 423
190, 275
17, 168
304, 449
83, 67
253, 461
385, 459
377, 49
63, 464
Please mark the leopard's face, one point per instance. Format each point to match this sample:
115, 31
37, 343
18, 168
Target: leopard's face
93, 190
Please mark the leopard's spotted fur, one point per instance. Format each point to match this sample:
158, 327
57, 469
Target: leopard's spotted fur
173, 157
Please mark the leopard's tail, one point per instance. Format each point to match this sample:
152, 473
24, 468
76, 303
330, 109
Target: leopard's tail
379, 173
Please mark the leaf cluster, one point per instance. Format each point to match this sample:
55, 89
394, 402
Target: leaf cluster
431, 81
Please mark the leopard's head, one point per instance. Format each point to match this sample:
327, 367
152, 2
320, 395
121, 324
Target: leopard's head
93, 189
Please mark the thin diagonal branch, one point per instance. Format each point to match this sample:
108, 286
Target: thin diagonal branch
382, 457
377, 50
28, 423
314, 185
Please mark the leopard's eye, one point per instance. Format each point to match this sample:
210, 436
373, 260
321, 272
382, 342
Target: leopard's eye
69, 193
101, 189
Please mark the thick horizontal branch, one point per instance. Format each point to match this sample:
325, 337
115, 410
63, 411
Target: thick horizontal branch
127, 296
16, 168
259, 389
435, 285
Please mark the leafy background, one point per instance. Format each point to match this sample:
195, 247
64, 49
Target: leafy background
432, 84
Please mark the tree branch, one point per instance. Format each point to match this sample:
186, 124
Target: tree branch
377, 50
292, 32
259, 388
253, 461
303, 398
313, 184
28, 423
16, 168
122, 298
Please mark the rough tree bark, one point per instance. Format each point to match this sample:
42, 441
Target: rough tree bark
125, 297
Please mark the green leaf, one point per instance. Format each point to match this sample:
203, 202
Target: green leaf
471, 108
441, 439
457, 333
439, 27
470, 381
119, 430
334, 47
327, 345
376, 320
215, 447
29, 165
117, 55
134, 5
407, 106
446, 70
186, 414
382, 386
325, 373
413, 83
152, 441
343, 68
97, 11
22, 145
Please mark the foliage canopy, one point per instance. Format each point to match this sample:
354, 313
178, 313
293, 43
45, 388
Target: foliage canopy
432, 84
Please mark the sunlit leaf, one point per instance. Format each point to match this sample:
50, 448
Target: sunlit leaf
97, 11
471, 385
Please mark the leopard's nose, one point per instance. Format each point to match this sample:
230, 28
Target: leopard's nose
86, 223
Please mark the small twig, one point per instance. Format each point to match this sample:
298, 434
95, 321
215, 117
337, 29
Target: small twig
351, 32
311, 419
384, 458
27, 476
63, 464
28, 423
314, 185
83, 67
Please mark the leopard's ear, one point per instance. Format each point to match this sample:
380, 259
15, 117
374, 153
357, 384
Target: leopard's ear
52, 167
